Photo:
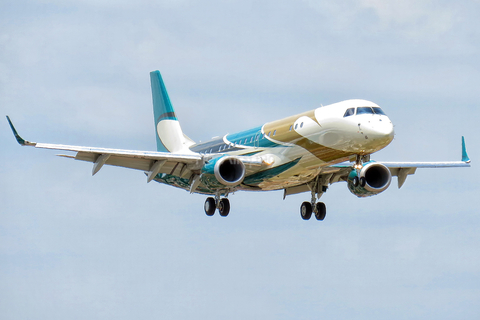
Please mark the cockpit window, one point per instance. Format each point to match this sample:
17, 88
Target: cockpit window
364, 110
349, 112
377, 110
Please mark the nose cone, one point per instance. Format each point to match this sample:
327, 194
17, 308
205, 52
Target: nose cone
384, 128
378, 132
382, 131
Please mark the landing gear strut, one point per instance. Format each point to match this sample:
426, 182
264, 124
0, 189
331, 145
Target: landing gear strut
211, 204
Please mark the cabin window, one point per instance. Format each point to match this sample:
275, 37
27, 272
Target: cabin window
296, 125
377, 110
290, 128
275, 132
301, 125
257, 137
269, 133
349, 112
251, 139
364, 110
246, 140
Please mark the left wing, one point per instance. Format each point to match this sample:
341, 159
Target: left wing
403, 169
339, 172
153, 163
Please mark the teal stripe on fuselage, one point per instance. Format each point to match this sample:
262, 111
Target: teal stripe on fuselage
238, 141
251, 138
261, 176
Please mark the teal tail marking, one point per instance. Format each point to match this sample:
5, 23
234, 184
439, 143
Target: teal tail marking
162, 107
465, 157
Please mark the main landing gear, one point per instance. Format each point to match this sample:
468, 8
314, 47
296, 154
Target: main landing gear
318, 208
211, 204
318, 186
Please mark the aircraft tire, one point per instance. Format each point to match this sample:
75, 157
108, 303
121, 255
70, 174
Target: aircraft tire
356, 182
209, 206
363, 182
224, 208
321, 211
306, 210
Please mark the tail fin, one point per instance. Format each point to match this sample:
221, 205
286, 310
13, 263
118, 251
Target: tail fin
170, 137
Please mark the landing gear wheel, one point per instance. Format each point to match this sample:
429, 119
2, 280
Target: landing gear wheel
362, 182
356, 181
321, 211
306, 210
224, 207
209, 206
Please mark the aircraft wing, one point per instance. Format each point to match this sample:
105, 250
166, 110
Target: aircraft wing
339, 172
151, 162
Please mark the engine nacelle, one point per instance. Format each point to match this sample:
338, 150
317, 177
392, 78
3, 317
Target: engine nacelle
372, 179
227, 170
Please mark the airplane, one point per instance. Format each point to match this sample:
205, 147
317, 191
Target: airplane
306, 152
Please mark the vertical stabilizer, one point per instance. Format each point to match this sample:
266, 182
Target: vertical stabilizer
170, 137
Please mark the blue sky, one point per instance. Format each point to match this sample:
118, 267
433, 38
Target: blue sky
114, 247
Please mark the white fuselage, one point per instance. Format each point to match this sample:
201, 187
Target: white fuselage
317, 138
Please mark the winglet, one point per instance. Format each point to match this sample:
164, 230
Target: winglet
20, 140
465, 157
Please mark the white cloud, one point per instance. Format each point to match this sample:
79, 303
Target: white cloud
418, 20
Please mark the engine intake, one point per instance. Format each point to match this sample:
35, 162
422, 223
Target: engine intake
372, 179
228, 170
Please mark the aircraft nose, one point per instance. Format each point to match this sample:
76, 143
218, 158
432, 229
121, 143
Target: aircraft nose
381, 129
385, 128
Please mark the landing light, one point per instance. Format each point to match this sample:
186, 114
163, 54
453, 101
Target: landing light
358, 166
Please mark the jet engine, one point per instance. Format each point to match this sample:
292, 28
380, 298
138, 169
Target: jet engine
372, 179
227, 170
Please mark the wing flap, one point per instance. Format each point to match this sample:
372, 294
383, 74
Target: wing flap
169, 166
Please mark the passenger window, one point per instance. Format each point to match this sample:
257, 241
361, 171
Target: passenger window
296, 125
377, 110
349, 112
251, 140
290, 128
275, 132
269, 133
364, 110
301, 125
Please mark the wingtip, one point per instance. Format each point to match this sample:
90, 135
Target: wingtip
465, 157
20, 140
